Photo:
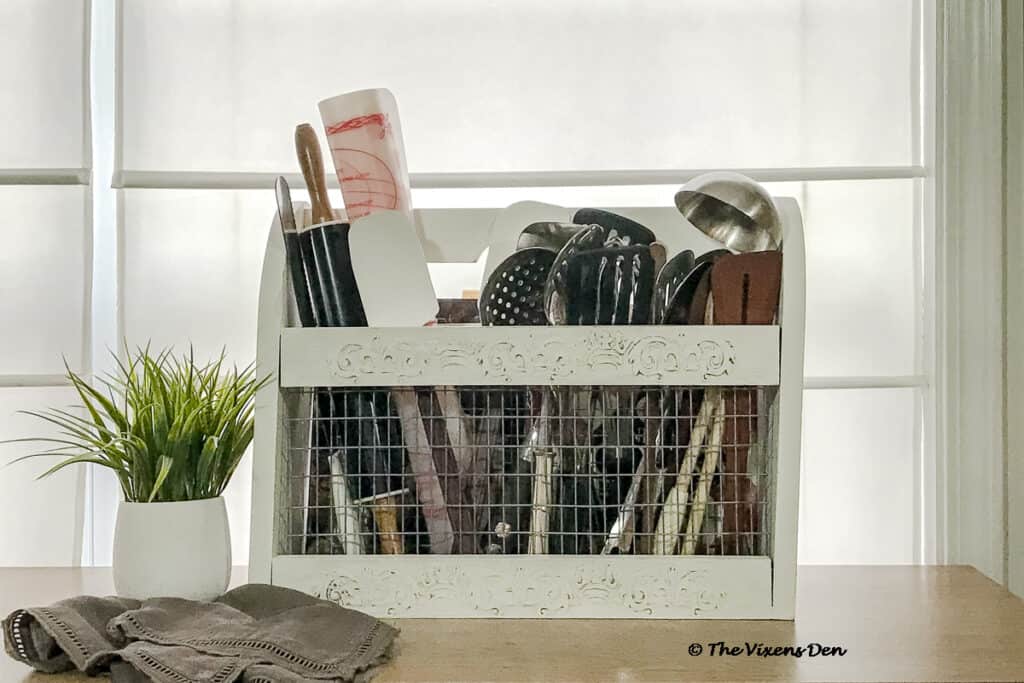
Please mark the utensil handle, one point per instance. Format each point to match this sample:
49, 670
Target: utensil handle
385, 514
307, 149
674, 509
300, 287
541, 499
421, 461
345, 509
739, 522
700, 498
542, 480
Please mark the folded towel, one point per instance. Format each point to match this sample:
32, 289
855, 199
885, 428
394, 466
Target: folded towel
252, 634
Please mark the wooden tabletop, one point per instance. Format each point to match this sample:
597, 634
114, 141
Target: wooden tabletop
894, 623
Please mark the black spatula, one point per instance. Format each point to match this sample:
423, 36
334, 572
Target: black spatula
621, 230
610, 286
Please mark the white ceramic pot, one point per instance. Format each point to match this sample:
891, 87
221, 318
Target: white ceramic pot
180, 549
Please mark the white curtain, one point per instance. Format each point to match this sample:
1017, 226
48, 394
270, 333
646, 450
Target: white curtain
44, 264
217, 86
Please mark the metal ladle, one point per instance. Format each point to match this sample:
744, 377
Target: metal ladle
732, 209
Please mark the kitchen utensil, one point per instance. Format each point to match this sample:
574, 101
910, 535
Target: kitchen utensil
659, 254
307, 149
540, 452
460, 433
365, 137
345, 510
620, 538
464, 448
300, 281
329, 239
385, 514
379, 464
507, 227
669, 277
555, 292
302, 293
695, 314
450, 471
677, 311
511, 528
621, 230
458, 311
732, 209
514, 294
390, 271
707, 472
675, 425
745, 289
658, 409
576, 517
421, 461
610, 286
623, 533
547, 234
313, 311
674, 509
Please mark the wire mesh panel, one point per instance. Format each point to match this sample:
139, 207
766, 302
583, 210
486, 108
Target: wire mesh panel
530, 470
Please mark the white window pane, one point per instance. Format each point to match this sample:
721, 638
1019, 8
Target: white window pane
857, 477
43, 278
863, 301
43, 518
191, 267
529, 85
42, 93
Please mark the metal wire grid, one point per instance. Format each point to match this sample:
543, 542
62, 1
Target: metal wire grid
529, 470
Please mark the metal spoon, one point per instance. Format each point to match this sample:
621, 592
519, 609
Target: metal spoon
732, 209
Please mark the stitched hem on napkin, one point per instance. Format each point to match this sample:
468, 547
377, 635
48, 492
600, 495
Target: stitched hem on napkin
373, 650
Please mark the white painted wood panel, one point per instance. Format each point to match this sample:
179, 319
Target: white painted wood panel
541, 586
472, 355
565, 586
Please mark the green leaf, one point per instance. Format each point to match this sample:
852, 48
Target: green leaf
171, 428
165, 469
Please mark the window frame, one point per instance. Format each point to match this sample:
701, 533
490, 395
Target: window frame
954, 36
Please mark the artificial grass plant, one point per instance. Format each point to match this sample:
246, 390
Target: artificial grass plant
169, 428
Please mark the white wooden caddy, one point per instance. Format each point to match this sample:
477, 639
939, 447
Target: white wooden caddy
531, 586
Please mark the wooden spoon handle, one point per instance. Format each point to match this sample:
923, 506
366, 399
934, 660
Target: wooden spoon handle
386, 516
307, 148
695, 522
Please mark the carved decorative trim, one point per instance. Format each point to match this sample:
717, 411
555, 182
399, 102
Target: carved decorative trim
651, 357
564, 587
541, 594
642, 355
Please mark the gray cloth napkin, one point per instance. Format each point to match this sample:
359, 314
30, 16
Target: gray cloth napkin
252, 634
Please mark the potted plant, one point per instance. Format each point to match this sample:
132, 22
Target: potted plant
173, 432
